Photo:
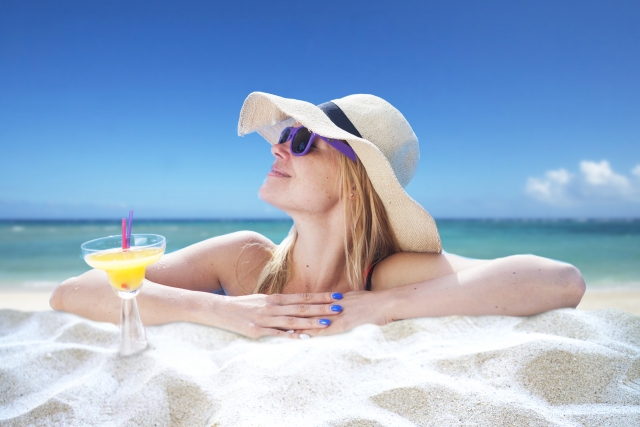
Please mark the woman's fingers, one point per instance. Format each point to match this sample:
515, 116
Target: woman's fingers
306, 305
286, 315
308, 310
306, 298
318, 332
297, 323
262, 332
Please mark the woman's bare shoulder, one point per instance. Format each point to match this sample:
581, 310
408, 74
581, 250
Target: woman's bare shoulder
403, 268
250, 253
215, 263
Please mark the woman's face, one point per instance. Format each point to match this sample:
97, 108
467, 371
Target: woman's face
306, 183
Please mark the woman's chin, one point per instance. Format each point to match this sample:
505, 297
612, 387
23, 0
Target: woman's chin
270, 196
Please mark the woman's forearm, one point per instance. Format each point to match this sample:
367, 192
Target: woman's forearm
518, 285
255, 315
91, 296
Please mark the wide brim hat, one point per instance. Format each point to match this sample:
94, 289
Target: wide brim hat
381, 138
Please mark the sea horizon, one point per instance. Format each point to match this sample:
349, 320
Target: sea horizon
240, 219
37, 254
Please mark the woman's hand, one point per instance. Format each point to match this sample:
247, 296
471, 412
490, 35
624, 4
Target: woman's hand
259, 315
517, 285
358, 308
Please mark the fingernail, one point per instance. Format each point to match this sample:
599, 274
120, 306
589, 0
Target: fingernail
336, 295
304, 336
324, 322
337, 308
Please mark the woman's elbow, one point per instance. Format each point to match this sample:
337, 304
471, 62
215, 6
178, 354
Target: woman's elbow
572, 284
56, 301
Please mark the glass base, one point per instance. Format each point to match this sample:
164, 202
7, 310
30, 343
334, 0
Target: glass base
133, 338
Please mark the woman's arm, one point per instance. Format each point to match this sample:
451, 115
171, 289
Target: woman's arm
518, 285
192, 273
257, 315
205, 267
90, 295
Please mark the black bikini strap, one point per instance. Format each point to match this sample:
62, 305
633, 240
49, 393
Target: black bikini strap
368, 282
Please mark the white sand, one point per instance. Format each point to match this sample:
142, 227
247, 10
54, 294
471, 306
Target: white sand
25, 300
562, 368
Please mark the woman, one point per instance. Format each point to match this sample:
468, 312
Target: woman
360, 250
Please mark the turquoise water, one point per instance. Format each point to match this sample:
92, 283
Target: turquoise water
39, 254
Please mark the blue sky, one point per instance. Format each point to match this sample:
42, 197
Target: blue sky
522, 109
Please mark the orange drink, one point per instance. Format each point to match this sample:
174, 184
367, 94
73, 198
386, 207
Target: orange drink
125, 267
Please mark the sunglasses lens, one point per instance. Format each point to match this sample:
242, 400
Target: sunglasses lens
300, 140
284, 135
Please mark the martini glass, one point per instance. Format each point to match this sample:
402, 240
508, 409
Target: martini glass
125, 269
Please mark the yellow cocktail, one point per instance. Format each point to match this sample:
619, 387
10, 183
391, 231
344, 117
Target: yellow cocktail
125, 267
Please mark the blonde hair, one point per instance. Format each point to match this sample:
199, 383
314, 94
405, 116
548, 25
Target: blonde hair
368, 236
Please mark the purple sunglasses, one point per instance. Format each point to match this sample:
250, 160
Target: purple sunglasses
301, 140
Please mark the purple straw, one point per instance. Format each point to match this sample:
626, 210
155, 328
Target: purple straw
129, 228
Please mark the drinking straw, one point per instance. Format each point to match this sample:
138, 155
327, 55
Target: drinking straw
124, 234
129, 228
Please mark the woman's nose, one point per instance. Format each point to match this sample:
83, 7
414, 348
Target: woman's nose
281, 150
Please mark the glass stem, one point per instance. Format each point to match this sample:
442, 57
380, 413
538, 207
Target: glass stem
133, 337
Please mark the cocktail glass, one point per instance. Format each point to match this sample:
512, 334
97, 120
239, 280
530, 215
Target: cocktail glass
125, 269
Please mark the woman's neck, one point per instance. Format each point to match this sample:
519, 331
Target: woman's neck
318, 255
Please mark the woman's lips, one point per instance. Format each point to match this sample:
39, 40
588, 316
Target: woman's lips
277, 172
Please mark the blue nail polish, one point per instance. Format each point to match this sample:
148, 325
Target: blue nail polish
324, 322
336, 295
337, 308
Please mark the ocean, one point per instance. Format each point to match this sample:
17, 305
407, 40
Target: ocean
37, 255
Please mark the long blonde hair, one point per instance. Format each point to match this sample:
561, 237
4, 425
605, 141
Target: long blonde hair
368, 236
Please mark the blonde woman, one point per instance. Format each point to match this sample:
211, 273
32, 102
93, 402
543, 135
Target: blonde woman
361, 250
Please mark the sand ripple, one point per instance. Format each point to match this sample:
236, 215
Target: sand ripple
562, 368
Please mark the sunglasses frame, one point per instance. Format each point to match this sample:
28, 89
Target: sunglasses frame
338, 144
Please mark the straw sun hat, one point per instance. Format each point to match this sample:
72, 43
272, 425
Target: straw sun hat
381, 138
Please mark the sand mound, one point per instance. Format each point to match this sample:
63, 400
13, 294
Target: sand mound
561, 368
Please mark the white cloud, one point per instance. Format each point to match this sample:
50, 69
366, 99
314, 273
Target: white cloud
596, 182
550, 188
601, 174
